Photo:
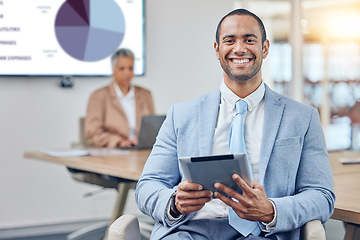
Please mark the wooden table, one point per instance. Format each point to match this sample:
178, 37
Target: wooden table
347, 191
339, 168
126, 166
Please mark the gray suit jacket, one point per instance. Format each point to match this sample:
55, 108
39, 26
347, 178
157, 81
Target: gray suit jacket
294, 166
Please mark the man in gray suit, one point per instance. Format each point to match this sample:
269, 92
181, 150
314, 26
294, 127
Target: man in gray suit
284, 142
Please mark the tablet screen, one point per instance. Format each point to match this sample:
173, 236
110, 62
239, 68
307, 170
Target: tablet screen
207, 170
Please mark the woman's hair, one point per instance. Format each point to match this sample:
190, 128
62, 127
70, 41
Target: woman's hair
122, 52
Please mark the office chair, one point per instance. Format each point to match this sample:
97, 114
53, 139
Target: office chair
126, 227
313, 230
90, 177
83, 142
121, 185
93, 232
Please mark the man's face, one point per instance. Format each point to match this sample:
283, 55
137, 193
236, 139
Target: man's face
123, 71
240, 49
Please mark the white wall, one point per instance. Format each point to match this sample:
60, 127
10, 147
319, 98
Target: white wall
36, 113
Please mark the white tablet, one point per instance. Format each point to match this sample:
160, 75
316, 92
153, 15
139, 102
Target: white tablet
208, 170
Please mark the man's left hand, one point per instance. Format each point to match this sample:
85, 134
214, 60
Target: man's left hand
252, 205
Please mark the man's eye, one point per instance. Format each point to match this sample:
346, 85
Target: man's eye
250, 40
229, 41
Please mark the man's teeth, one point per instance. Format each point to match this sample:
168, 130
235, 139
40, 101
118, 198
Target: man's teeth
240, 61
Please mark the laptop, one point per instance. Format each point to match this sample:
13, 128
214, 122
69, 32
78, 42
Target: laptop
149, 128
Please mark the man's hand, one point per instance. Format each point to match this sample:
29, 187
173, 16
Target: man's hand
190, 197
252, 205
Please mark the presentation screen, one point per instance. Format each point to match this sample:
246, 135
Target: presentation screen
69, 38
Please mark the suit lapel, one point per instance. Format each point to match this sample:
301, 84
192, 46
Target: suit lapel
207, 115
272, 117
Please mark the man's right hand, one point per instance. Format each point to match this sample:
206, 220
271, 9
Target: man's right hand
190, 197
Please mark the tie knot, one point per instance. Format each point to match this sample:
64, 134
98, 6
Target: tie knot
241, 107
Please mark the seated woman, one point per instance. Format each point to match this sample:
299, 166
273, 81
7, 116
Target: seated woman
114, 112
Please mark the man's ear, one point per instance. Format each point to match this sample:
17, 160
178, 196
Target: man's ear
266, 46
216, 47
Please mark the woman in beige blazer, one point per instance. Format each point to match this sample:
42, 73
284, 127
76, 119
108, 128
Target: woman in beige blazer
114, 112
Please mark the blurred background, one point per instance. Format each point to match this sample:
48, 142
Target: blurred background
315, 58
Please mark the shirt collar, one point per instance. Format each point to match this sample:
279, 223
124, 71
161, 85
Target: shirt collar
120, 94
252, 100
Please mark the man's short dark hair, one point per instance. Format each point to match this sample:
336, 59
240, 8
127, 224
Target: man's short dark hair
242, 11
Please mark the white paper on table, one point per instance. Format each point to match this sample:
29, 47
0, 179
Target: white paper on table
76, 152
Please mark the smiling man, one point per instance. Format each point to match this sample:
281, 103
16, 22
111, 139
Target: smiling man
241, 52
284, 143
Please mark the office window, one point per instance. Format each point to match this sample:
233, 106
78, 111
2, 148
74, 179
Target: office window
280, 65
339, 63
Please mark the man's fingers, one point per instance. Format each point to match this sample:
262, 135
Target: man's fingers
231, 193
181, 204
189, 186
188, 190
236, 206
187, 202
187, 209
226, 200
252, 205
257, 185
193, 194
246, 189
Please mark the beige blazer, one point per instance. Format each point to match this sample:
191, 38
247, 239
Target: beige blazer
106, 123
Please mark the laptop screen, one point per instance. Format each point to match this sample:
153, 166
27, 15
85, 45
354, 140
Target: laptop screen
150, 126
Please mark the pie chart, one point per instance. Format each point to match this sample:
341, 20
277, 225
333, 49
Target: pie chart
90, 30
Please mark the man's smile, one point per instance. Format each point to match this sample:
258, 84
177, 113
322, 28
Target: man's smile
240, 61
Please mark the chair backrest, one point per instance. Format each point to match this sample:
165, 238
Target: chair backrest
313, 230
125, 227
82, 137
83, 143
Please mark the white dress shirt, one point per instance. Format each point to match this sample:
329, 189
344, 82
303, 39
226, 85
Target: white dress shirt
253, 128
128, 104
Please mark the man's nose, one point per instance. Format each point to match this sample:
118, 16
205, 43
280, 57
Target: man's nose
239, 47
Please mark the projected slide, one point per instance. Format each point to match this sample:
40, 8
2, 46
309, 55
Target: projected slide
69, 37
90, 30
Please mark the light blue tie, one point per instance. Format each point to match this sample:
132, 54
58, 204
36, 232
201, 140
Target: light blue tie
237, 145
